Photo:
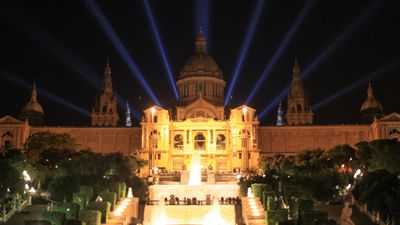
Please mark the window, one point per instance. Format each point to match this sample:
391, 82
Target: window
178, 141
154, 136
199, 142
105, 109
221, 142
159, 156
240, 155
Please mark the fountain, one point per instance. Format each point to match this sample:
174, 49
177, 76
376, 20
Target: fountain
196, 213
130, 195
195, 169
214, 217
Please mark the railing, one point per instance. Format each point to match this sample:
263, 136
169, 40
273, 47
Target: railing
14, 208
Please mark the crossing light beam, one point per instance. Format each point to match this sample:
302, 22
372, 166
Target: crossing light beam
116, 41
243, 51
160, 45
282, 46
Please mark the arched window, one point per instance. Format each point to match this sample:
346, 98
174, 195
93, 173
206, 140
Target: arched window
221, 142
299, 108
105, 109
178, 141
199, 142
154, 137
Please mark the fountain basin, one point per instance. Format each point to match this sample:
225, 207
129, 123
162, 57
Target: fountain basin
157, 192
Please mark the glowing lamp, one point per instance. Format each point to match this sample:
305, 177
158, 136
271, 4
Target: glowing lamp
244, 110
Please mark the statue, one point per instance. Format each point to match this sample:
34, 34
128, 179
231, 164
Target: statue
345, 217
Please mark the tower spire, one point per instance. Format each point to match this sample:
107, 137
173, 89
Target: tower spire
201, 43
279, 117
370, 91
128, 119
34, 92
107, 81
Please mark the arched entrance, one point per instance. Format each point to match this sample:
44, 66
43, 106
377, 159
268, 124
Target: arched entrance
199, 142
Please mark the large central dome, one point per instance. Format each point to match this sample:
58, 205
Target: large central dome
201, 64
201, 77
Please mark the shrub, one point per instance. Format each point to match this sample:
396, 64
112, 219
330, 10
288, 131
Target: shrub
55, 218
80, 199
123, 190
287, 222
63, 188
306, 205
275, 216
266, 195
103, 208
39, 201
312, 217
70, 209
75, 222
90, 217
110, 197
259, 188
87, 191
37, 222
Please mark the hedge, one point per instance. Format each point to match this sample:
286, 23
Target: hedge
103, 207
80, 199
75, 222
259, 188
55, 218
90, 217
287, 222
87, 191
110, 197
37, 222
275, 216
70, 209
312, 218
265, 195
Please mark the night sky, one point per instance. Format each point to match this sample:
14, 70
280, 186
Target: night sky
32, 32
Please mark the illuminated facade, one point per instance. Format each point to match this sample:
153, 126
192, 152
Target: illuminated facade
227, 139
200, 123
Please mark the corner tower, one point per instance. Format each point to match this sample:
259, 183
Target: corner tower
298, 107
371, 107
104, 112
201, 86
32, 110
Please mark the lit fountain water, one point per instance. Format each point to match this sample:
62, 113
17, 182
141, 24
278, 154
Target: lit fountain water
215, 214
195, 169
214, 217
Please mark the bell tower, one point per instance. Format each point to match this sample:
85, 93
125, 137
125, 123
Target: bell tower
298, 107
104, 112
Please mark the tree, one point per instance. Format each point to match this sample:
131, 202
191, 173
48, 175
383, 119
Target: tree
45, 142
11, 181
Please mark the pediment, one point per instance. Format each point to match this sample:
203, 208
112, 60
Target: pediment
10, 120
393, 117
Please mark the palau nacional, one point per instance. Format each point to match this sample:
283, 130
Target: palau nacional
228, 139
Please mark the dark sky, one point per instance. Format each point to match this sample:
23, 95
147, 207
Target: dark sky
71, 24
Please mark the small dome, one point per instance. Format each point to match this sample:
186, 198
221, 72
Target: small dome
371, 103
200, 64
32, 106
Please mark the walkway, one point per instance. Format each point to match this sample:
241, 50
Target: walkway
334, 212
32, 212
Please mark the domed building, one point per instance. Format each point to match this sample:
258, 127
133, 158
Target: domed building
32, 110
200, 124
371, 108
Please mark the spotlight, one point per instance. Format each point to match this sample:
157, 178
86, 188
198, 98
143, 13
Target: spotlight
202, 18
356, 24
11, 77
243, 51
365, 79
160, 45
116, 41
282, 46
47, 41
324, 55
